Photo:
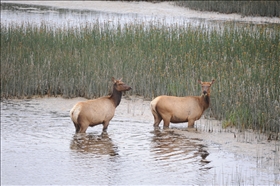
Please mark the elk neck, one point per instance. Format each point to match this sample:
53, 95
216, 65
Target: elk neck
205, 101
116, 96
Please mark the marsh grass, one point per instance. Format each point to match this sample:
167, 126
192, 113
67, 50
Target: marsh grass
245, 8
154, 60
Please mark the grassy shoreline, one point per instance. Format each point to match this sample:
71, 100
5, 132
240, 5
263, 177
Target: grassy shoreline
245, 8
154, 60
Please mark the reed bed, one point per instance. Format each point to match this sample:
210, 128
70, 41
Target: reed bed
245, 8
154, 60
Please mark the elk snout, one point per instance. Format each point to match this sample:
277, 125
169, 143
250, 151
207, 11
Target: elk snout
204, 92
129, 88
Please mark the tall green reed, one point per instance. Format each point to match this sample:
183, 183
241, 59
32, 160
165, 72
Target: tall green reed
246, 8
154, 59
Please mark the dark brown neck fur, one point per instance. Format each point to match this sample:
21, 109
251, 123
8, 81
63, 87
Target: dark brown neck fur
205, 100
116, 96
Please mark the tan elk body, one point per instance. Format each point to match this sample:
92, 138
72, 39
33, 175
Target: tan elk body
97, 111
181, 109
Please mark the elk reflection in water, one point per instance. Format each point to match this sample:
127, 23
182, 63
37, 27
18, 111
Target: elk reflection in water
169, 145
96, 144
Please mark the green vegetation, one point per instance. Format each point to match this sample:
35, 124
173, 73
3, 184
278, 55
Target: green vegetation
154, 60
245, 8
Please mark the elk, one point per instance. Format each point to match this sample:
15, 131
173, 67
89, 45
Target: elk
181, 109
98, 111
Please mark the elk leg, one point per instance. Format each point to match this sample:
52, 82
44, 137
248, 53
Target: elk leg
77, 126
156, 124
81, 125
105, 126
191, 123
166, 123
83, 129
157, 120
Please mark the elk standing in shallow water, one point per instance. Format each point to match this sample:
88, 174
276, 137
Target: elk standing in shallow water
97, 111
181, 109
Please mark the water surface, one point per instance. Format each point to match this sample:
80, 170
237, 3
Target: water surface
39, 146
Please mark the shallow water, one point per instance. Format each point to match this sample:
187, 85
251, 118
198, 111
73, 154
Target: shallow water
39, 147
58, 17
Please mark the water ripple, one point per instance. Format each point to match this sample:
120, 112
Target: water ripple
38, 142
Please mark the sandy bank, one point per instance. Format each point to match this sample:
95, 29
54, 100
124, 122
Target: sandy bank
163, 9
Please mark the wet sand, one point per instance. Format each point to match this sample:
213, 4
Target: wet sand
162, 9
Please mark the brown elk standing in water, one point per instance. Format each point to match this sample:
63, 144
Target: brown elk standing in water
98, 111
181, 109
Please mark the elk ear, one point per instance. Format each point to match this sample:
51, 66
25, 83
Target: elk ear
114, 80
212, 81
120, 79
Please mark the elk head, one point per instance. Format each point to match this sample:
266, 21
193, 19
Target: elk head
119, 85
206, 87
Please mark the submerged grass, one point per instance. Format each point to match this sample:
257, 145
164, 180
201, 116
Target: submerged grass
154, 60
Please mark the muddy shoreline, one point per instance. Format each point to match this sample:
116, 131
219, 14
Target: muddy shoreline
162, 9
